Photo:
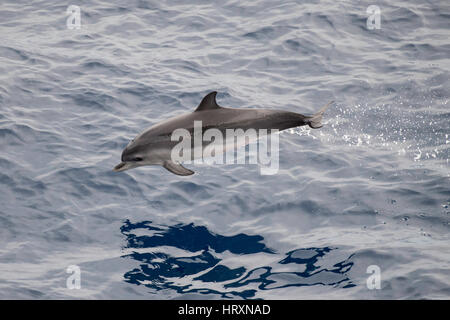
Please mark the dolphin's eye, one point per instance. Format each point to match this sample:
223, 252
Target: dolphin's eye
137, 159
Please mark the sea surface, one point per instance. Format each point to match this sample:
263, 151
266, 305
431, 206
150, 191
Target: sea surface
368, 192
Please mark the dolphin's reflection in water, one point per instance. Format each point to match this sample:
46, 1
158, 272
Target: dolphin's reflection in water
191, 259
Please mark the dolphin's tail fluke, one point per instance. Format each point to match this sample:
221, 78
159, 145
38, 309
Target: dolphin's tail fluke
315, 121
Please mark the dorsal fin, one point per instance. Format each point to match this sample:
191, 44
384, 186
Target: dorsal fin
208, 102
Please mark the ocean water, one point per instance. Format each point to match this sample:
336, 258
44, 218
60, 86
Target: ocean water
370, 188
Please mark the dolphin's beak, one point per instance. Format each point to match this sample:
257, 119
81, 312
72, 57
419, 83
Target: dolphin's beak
122, 167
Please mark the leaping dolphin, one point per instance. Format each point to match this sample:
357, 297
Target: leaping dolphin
154, 145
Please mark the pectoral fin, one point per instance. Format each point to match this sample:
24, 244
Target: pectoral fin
177, 168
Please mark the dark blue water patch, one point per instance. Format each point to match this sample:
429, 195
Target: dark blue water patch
313, 273
191, 238
169, 267
221, 273
159, 270
310, 258
156, 268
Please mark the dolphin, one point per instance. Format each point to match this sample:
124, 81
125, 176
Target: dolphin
154, 145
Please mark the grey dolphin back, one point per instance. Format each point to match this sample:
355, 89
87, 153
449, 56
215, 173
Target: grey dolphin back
155, 147
315, 121
208, 102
